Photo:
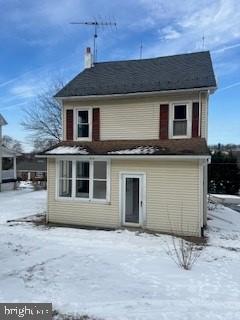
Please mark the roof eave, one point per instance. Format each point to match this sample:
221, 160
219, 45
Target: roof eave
128, 157
210, 89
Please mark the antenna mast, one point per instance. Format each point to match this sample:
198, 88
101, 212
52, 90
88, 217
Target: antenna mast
141, 49
203, 42
96, 24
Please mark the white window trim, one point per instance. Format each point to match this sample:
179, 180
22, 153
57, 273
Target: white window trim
85, 200
189, 119
75, 124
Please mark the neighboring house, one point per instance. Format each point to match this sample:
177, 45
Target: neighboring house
7, 163
134, 151
31, 168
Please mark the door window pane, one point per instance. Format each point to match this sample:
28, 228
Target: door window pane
99, 189
100, 170
82, 188
132, 200
82, 169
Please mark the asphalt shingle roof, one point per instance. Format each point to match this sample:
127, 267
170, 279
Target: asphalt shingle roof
193, 146
184, 71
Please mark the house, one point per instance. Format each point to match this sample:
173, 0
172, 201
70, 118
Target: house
31, 168
7, 163
134, 151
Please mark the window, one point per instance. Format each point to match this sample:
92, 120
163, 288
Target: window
7, 163
82, 179
83, 124
87, 180
65, 178
180, 120
99, 180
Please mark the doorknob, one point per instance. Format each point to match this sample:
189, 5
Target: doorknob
141, 203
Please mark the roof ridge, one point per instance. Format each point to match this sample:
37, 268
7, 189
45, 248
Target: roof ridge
154, 58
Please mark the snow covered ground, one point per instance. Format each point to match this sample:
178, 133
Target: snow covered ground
117, 275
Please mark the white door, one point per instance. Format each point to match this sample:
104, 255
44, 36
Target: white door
132, 199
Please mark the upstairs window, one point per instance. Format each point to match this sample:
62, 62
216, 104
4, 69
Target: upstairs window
83, 124
180, 120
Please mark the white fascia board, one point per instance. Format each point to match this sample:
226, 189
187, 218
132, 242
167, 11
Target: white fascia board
124, 95
126, 157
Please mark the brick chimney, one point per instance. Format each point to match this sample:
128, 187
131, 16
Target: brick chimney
88, 58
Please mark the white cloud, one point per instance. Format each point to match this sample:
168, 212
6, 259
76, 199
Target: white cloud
236, 84
217, 20
225, 48
23, 91
169, 33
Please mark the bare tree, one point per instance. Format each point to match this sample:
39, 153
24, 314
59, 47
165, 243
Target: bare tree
40, 145
43, 119
12, 144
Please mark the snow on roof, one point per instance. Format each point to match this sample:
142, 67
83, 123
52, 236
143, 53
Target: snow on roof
67, 150
225, 196
137, 150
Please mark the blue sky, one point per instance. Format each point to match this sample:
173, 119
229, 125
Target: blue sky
39, 45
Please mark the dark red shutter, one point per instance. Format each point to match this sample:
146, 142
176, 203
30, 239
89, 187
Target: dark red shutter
164, 111
96, 124
69, 124
195, 119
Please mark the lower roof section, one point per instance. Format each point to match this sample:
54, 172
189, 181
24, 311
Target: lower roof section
133, 148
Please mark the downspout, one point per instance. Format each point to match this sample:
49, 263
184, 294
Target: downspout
0, 158
200, 114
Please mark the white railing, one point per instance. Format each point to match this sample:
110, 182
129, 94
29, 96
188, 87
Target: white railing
8, 174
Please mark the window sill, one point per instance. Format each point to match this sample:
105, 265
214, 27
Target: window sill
94, 201
180, 137
83, 139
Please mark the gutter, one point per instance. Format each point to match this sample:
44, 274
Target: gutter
135, 94
128, 157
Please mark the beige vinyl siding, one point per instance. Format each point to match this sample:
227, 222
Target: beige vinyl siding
140, 121
172, 197
132, 118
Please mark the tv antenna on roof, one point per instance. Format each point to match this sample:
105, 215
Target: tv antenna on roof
203, 41
96, 25
141, 50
